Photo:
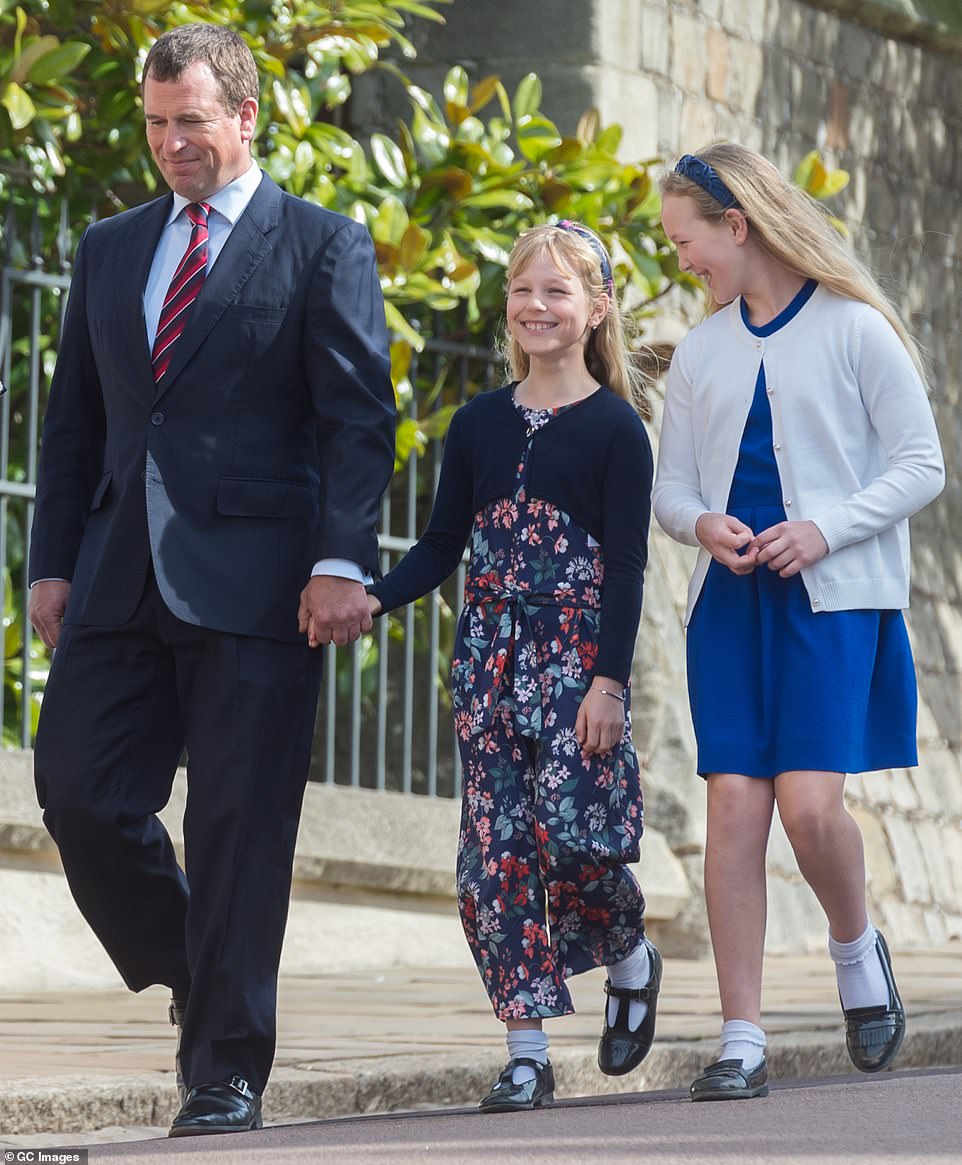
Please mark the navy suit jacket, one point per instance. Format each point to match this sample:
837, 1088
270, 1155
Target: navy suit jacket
266, 447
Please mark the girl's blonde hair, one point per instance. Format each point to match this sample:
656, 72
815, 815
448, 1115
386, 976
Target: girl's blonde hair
789, 226
607, 355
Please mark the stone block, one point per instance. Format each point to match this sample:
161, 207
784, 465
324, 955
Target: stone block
689, 55
796, 921
745, 17
909, 861
619, 34
655, 56
632, 100
746, 69
717, 81
938, 783
881, 876
699, 124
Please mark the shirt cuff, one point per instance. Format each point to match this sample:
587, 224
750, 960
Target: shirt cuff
341, 568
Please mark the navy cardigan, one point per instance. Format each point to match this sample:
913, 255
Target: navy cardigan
593, 461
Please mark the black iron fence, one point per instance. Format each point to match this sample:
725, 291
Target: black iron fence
384, 717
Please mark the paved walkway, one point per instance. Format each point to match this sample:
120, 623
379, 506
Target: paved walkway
80, 1067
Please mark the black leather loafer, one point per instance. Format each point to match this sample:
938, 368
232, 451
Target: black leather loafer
621, 1050
175, 1013
728, 1080
506, 1096
873, 1035
228, 1107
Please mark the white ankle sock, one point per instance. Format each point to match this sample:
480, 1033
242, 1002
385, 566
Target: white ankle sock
742, 1040
858, 970
530, 1042
635, 971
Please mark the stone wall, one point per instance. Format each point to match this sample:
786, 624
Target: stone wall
785, 76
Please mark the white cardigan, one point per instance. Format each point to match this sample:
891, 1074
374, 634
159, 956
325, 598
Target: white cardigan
853, 434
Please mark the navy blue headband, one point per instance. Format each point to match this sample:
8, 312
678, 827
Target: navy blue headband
705, 176
596, 245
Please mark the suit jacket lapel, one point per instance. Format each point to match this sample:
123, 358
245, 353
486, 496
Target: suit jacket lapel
248, 243
137, 246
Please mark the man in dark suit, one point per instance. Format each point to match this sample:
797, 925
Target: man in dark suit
219, 433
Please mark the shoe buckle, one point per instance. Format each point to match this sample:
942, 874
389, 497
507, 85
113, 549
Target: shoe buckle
239, 1084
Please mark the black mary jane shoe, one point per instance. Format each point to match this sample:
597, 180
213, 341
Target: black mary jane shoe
619, 1049
873, 1035
728, 1080
227, 1107
506, 1096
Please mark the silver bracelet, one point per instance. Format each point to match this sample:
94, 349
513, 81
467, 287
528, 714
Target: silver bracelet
613, 695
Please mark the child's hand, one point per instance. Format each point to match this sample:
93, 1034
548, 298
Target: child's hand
601, 718
789, 546
723, 537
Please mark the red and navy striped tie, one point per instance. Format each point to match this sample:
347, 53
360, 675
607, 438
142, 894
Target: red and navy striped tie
184, 288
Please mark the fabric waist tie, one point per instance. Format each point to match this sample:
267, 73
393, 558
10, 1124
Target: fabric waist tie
515, 677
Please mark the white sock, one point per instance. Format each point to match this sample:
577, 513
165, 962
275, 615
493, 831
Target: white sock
858, 970
530, 1042
741, 1040
635, 971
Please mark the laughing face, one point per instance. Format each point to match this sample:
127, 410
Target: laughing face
709, 249
548, 311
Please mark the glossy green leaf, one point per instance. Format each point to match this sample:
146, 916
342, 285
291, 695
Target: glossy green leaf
389, 159
536, 137
18, 105
527, 97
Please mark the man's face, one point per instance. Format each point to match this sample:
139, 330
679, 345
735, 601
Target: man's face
198, 146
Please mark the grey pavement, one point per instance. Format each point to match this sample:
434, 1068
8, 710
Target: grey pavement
909, 1118
92, 1067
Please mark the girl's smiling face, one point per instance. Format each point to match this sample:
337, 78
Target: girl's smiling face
548, 312
711, 250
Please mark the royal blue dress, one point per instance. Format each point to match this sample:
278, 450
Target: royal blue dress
773, 686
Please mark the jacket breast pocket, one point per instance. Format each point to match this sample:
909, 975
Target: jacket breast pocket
263, 497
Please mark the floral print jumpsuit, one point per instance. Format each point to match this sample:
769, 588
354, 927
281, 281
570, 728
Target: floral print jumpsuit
542, 886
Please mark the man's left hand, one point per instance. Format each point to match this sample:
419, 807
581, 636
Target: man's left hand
333, 610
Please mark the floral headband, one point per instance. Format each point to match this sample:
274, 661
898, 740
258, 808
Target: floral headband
596, 245
705, 176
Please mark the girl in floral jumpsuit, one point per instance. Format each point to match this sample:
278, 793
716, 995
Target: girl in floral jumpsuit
550, 479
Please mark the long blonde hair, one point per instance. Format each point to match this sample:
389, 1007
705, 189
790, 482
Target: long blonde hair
789, 226
607, 355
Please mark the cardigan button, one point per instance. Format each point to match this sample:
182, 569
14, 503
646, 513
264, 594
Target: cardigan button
788, 502
816, 602
777, 447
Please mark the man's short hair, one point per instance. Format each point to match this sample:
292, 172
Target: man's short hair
223, 50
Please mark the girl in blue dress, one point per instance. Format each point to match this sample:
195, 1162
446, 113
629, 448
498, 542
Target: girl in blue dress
548, 480
797, 440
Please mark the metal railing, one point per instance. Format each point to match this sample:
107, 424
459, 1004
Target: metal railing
384, 715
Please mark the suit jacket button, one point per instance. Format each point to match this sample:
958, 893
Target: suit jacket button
156, 418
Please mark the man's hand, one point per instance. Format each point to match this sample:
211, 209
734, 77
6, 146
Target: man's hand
48, 601
333, 610
789, 546
723, 536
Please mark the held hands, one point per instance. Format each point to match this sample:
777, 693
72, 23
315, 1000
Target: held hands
601, 718
48, 601
787, 547
333, 610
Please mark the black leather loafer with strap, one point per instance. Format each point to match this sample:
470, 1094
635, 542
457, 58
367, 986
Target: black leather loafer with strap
728, 1080
873, 1035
